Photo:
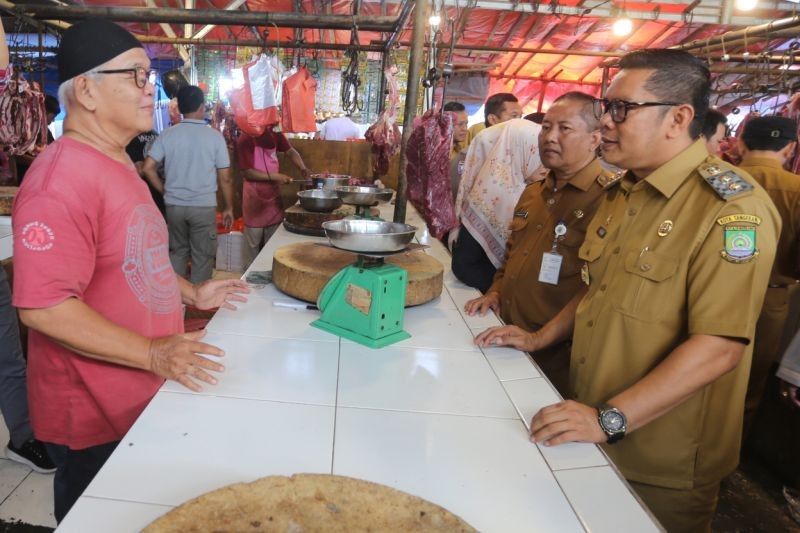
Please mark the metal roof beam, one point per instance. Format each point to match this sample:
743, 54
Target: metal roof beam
208, 16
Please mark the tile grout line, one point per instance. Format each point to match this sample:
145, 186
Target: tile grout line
336, 404
16, 486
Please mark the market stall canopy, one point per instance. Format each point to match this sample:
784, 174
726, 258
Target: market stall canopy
531, 49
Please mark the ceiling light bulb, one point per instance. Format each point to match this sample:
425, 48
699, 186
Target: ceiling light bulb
622, 26
435, 20
746, 5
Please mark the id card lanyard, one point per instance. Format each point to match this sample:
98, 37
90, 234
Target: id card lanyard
551, 261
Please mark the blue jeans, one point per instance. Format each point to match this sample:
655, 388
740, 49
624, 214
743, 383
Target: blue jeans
13, 390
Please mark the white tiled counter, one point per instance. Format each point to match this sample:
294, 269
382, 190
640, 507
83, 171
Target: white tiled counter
432, 415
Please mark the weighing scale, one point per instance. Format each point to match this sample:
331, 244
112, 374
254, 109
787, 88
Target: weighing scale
365, 302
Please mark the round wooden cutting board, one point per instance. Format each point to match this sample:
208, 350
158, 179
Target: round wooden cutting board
298, 220
307, 503
302, 269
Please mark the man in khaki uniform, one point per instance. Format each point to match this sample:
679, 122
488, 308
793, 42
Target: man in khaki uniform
677, 261
765, 145
542, 270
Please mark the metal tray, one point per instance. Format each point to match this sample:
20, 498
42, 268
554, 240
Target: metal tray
355, 195
319, 200
367, 236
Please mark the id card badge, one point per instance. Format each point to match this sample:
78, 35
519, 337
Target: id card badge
551, 266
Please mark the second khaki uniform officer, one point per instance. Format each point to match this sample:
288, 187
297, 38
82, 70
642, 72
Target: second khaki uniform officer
766, 143
541, 272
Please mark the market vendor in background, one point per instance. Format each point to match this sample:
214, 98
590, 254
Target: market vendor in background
339, 129
766, 144
541, 272
261, 197
676, 263
498, 108
93, 280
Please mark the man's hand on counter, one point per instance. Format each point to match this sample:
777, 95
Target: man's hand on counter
513, 336
482, 305
177, 358
567, 421
219, 293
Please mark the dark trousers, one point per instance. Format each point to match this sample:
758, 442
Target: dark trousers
470, 263
75, 469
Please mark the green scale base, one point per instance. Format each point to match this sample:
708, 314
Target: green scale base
365, 303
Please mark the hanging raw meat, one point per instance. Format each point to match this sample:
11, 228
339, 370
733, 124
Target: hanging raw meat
384, 134
23, 122
428, 171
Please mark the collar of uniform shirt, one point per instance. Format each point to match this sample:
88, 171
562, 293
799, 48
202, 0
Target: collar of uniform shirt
668, 177
760, 162
583, 180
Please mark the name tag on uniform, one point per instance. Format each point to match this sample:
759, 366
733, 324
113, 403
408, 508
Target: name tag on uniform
551, 266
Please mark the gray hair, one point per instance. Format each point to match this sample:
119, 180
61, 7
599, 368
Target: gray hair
67, 88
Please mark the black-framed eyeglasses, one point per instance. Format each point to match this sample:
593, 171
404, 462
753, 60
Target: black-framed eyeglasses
618, 109
140, 74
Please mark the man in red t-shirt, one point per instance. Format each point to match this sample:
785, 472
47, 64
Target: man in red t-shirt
261, 198
93, 280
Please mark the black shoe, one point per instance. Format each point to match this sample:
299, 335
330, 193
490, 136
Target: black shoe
32, 454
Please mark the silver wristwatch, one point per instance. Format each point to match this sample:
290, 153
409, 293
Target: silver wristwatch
612, 422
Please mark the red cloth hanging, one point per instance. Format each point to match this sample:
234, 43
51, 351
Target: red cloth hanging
297, 103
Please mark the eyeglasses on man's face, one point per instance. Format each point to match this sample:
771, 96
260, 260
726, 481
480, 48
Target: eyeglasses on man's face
140, 74
618, 109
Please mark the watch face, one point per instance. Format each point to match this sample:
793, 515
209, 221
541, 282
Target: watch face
613, 421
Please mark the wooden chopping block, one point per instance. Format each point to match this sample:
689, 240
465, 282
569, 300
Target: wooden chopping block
302, 269
7, 195
297, 216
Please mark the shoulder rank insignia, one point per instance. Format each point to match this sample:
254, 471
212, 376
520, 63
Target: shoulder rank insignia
607, 180
739, 237
725, 182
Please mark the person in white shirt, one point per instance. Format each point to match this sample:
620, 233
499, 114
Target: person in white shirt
339, 129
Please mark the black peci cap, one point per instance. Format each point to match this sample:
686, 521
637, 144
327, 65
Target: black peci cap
90, 43
775, 127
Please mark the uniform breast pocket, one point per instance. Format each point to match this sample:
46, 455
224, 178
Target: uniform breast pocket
568, 247
648, 287
518, 224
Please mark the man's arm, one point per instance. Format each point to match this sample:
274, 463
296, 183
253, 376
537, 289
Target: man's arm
226, 184
558, 329
78, 327
150, 171
256, 175
298, 161
692, 365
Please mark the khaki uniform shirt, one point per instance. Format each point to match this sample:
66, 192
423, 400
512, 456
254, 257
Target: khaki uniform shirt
784, 189
525, 301
667, 257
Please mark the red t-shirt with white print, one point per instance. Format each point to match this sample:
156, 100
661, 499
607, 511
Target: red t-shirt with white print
85, 227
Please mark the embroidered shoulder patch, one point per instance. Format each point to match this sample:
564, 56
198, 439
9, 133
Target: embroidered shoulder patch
725, 182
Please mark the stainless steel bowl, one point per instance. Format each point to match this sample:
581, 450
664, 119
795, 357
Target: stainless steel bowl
319, 200
329, 181
366, 236
354, 195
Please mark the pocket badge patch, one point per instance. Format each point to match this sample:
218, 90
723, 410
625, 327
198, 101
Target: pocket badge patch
740, 244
